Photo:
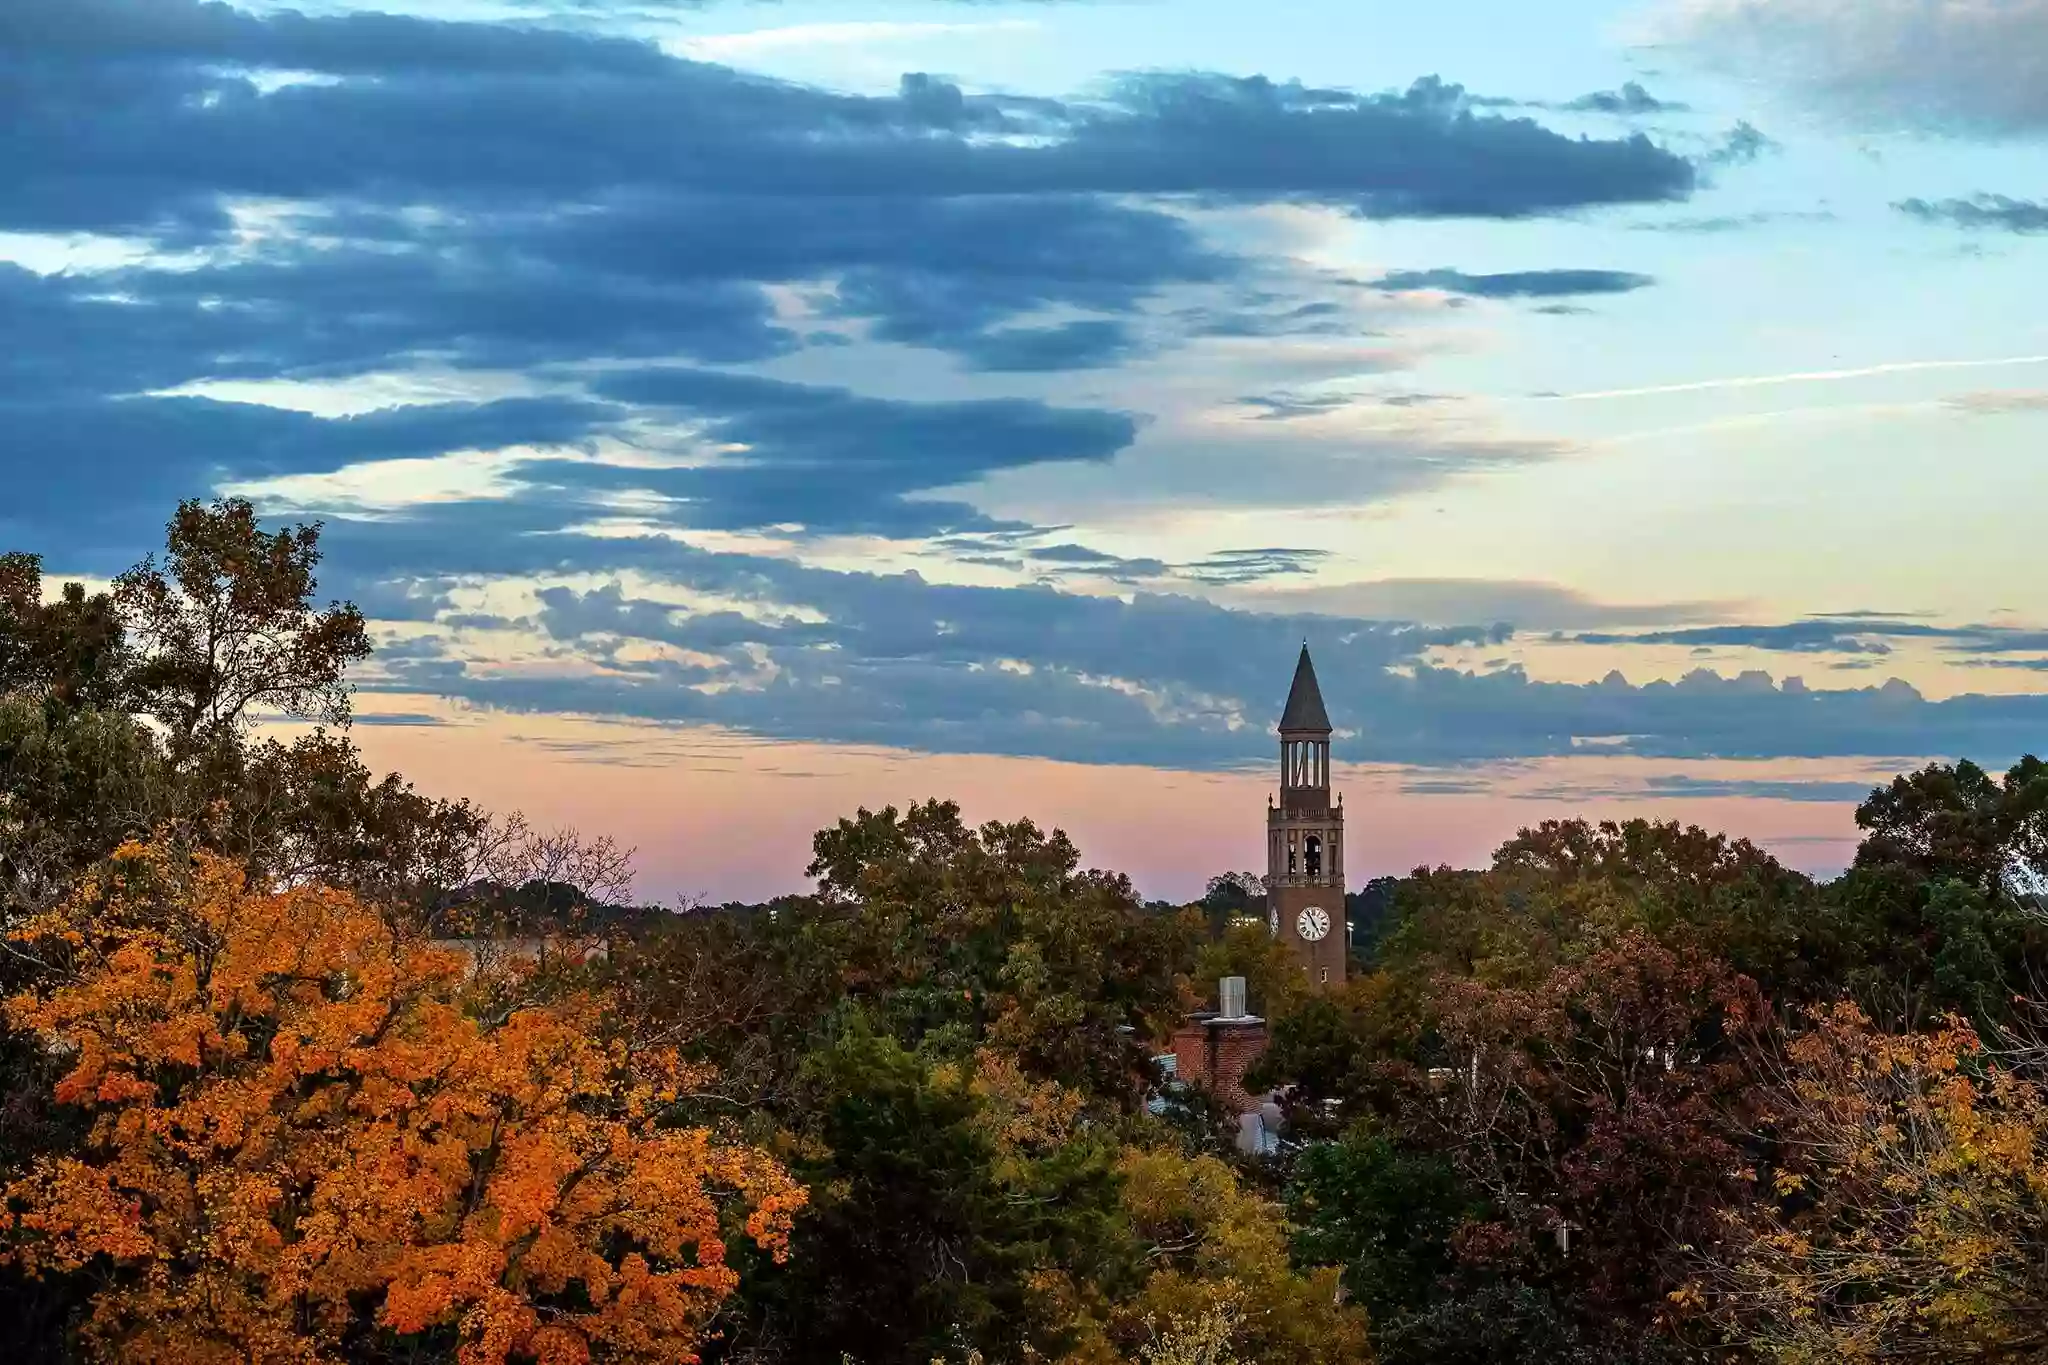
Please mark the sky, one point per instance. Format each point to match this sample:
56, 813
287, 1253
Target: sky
730, 414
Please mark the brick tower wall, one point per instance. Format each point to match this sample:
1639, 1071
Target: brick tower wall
1322, 962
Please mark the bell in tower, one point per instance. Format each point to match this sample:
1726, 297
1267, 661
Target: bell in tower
1305, 838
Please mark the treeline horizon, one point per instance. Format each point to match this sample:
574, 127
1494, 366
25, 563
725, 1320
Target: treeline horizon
1632, 1093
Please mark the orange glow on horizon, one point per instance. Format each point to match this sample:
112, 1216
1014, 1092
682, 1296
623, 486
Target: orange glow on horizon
724, 816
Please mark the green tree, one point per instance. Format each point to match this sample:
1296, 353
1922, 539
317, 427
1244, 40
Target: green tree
70, 654
921, 1239
1384, 1214
1230, 896
995, 935
1958, 822
1931, 918
226, 624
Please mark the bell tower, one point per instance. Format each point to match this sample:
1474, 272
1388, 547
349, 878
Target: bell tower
1305, 839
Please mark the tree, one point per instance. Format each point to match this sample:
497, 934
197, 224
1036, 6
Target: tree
933, 1211
1275, 984
1216, 1258
996, 936
1905, 1214
90, 758
69, 654
1230, 896
1957, 821
1385, 1214
1321, 1059
1726, 897
1936, 914
314, 1136
1369, 912
1507, 1320
72, 789
1599, 1113
227, 624
147, 697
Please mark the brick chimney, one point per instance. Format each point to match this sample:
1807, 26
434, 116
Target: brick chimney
1215, 1048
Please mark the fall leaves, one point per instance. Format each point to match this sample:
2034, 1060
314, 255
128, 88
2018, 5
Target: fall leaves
1907, 1207
1601, 1104
312, 1129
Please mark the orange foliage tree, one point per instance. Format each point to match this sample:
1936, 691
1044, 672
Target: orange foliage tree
320, 1137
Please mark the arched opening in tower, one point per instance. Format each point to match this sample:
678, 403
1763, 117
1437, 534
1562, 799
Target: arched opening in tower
1314, 852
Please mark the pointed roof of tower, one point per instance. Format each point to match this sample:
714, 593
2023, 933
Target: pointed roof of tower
1305, 699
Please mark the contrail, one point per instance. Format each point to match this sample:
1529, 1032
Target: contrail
1802, 377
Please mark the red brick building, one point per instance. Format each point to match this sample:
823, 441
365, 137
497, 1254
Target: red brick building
1214, 1048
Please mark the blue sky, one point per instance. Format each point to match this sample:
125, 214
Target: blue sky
1024, 380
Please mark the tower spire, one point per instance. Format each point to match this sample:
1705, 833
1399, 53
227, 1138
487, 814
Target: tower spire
1304, 710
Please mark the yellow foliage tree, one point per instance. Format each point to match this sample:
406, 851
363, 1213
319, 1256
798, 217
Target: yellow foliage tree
318, 1137
1906, 1217
1220, 1289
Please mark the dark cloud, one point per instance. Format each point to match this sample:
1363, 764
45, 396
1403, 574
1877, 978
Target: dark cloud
1522, 604
1286, 407
511, 197
830, 460
102, 471
1252, 566
132, 116
1632, 99
1321, 317
314, 312
1996, 640
1225, 567
1446, 786
1085, 345
1846, 633
1802, 637
1082, 560
407, 600
1742, 145
1683, 786
1719, 223
1519, 284
895, 659
1422, 153
1979, 211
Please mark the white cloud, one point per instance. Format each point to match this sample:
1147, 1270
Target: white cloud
726, 47
1758, 381
1959, 65
1529, 606
1996, 401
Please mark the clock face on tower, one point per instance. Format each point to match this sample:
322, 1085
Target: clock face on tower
1312, 924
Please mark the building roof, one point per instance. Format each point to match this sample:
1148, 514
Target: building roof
1305, 700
